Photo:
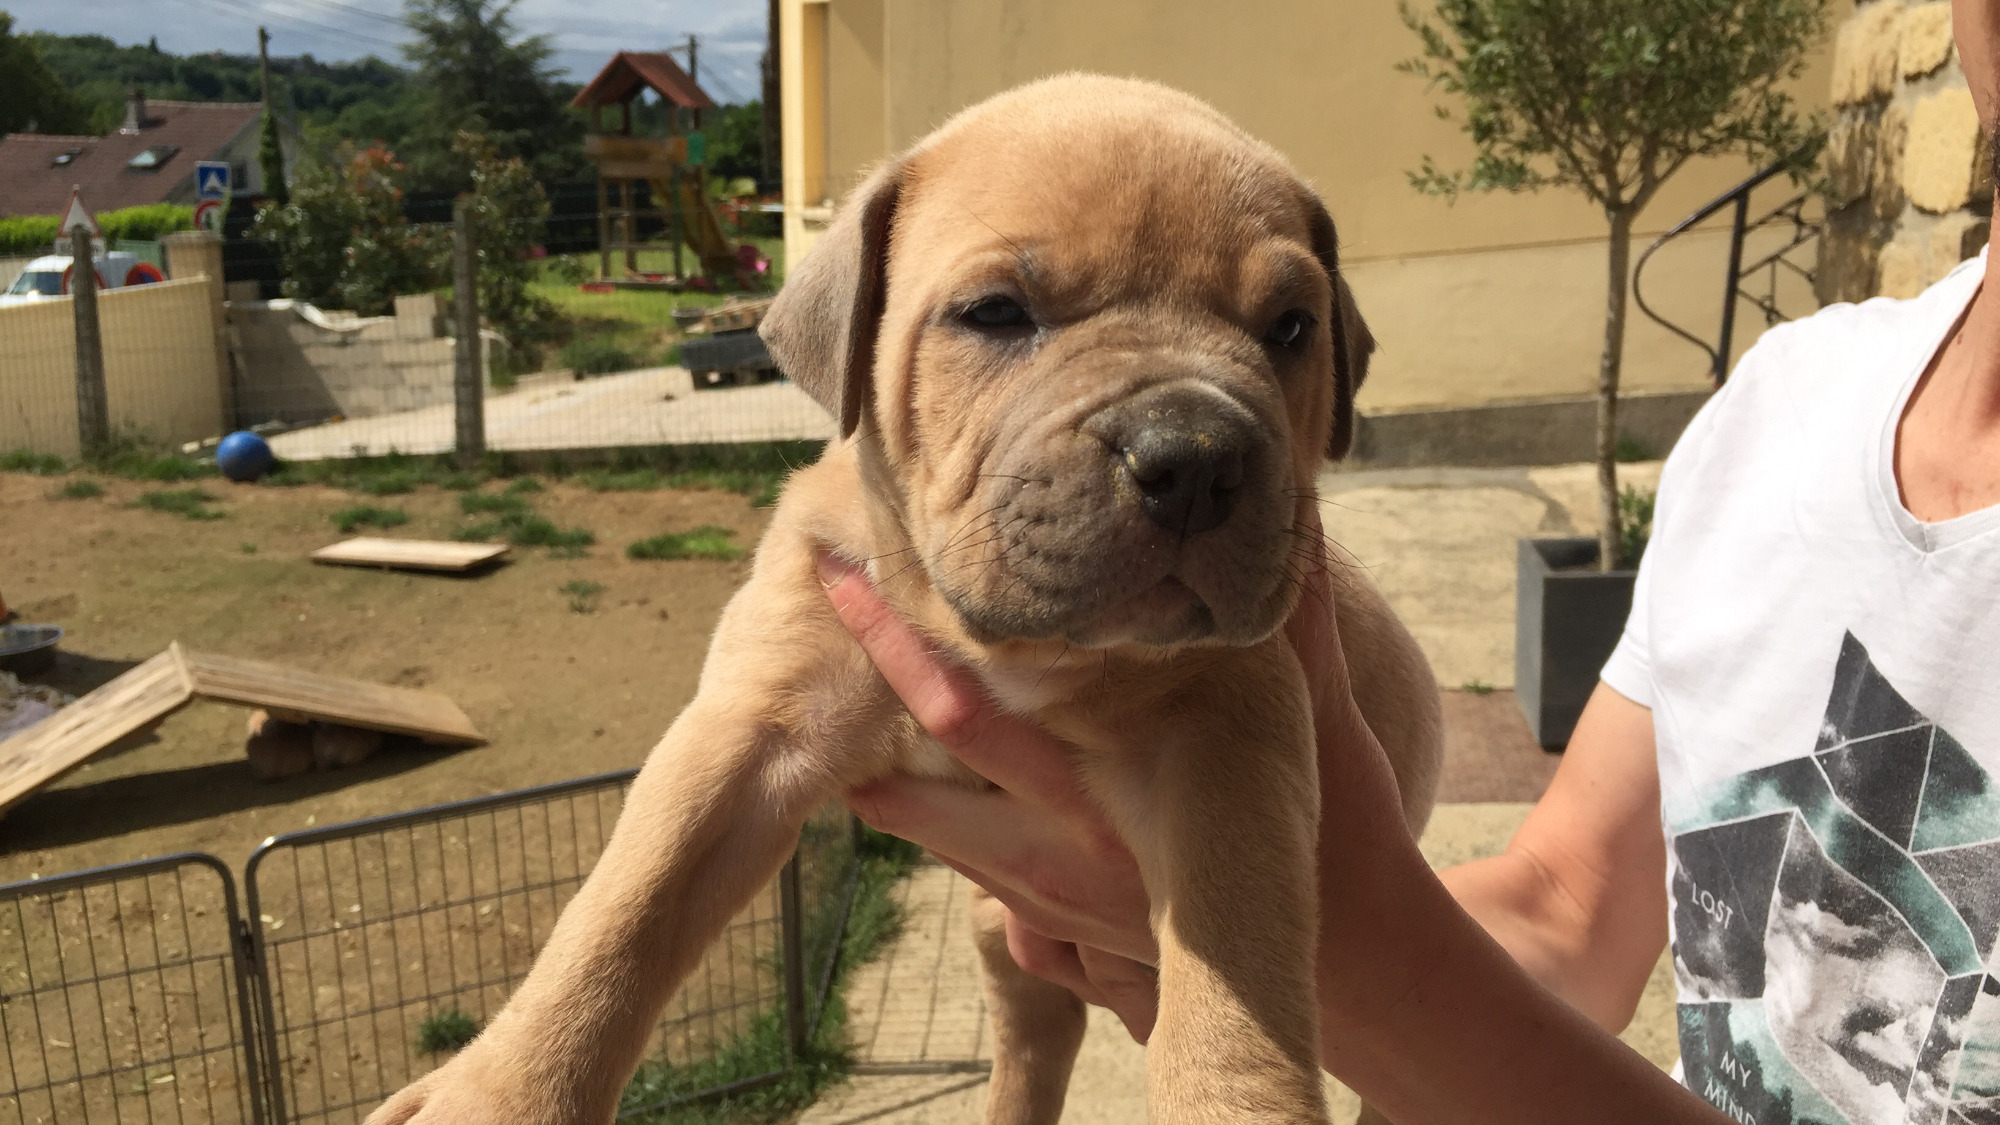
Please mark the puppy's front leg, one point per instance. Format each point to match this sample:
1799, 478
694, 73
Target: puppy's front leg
1224, 828
788, 710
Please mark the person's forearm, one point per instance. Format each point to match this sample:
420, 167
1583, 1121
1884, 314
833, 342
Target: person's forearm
1519, 903
1431, 1021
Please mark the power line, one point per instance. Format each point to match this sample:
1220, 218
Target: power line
338, 8
246, 8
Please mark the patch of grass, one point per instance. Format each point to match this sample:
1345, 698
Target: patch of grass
520, 524
247, 548
388, 475
80, 489
660, 1093
1478, 687
134, 459
448, 1030
1628, 449
521, 485
367, 515
705, 542
582, 594
191, 503
40, 464
754, 469
506, 504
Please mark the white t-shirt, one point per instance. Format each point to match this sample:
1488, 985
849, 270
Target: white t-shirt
1824, 675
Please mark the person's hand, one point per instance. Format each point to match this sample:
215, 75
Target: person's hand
1078, 914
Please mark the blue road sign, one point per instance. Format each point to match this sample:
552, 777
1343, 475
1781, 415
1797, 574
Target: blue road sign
211, 179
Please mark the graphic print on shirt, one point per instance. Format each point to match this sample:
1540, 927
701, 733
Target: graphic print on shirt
1834, 917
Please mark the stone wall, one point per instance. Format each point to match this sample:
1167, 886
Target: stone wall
1907, 164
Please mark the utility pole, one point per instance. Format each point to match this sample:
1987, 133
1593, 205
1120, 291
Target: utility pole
264, 65
769, 123
694, 72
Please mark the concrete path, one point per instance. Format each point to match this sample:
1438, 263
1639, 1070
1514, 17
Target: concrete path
1441, 545
659, 406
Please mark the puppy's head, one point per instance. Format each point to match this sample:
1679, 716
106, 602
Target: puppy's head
1097, 342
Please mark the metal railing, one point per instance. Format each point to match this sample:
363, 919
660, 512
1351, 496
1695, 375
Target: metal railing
1772, 263
367, 953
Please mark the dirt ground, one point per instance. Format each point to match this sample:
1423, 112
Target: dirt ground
558, 693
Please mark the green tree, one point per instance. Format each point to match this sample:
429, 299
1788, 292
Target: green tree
271, 156
31, 95
508, 211
479, 76
1611, 98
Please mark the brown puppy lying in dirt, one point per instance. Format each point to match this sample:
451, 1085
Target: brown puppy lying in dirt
1089, 345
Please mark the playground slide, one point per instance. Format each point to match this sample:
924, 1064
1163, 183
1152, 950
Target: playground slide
704, 231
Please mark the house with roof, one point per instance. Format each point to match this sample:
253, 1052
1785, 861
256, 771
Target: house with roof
149, 159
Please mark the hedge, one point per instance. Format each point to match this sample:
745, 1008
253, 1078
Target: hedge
31, 235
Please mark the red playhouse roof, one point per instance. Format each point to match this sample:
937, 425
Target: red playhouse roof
629, 71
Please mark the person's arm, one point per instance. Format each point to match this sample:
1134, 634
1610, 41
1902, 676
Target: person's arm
1578, 898
1423, 1014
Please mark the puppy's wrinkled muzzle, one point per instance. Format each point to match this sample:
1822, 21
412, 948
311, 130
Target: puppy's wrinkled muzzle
1182, 451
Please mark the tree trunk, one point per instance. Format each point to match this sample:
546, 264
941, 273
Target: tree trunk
1610, 555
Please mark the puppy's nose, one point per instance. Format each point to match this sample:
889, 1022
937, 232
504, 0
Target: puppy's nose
1185, 452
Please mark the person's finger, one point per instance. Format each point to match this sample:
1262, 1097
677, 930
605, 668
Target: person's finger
982, 827
1130, 989
946, 699
1054, 961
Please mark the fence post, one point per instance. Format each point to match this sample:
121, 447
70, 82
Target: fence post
790, 926
93, 414
469, 385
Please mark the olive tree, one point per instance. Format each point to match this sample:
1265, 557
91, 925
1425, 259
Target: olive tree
1611, 98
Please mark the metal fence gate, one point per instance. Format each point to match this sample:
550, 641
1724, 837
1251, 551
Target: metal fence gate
125, 996
366, 953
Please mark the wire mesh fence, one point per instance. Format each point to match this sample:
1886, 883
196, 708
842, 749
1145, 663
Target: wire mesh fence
366, 954
125, 997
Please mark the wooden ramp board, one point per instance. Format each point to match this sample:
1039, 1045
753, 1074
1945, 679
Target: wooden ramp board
410, 554
337, 699
145, 694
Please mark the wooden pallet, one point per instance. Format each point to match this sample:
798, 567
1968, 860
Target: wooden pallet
157, 688
410, 554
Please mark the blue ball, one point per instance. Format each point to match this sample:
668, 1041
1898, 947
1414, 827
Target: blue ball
243, 456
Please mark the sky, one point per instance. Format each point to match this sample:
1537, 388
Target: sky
585, 35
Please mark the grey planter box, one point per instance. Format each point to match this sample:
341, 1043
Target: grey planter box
1566, 622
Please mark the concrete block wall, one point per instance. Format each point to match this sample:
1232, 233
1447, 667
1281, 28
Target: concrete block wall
297, 364
1907, 164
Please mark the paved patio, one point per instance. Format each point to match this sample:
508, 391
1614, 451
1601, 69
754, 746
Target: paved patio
657, 406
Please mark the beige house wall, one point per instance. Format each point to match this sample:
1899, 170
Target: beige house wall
160, 378
1492, 297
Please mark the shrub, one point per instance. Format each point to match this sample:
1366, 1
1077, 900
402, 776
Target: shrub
26, 235
343, 237
599, 355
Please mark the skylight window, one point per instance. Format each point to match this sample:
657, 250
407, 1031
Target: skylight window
150, 159
64, 158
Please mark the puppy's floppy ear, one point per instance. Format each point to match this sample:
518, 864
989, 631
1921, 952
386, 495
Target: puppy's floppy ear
821, 329
1352, 342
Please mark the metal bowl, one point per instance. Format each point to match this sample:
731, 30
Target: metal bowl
28, 648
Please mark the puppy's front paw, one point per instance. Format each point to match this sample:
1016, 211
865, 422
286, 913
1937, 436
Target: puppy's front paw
464, 1093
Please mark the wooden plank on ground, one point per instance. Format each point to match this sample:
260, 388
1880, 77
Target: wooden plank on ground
143, 695
355, 703
410, 554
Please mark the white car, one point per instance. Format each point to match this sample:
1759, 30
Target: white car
49, 276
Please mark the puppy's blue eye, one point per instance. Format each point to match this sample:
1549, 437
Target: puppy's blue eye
1288, 329
997, 312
